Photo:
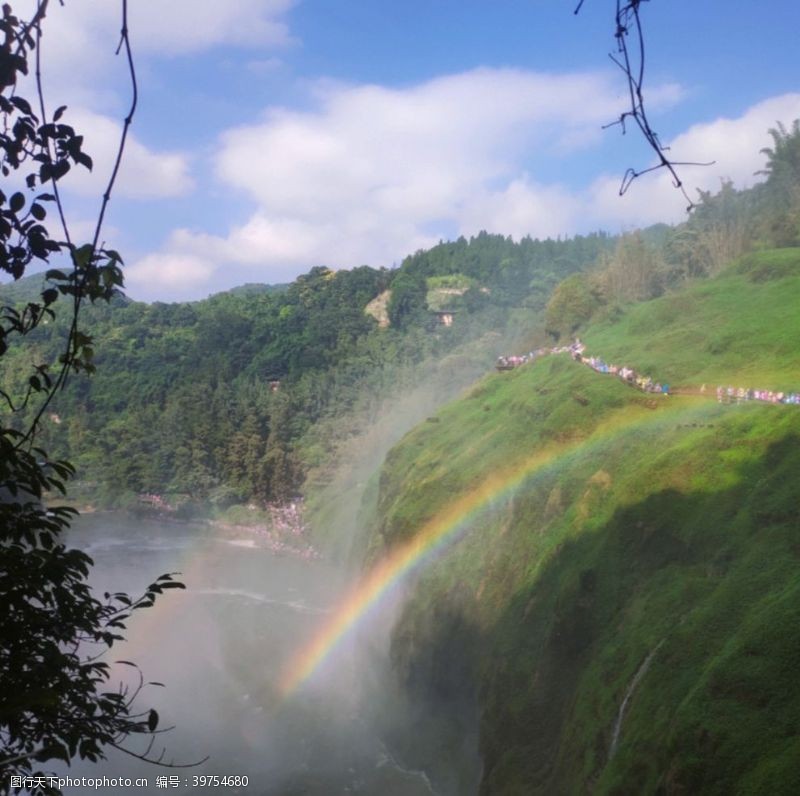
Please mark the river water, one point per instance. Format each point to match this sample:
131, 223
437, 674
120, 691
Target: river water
219, 647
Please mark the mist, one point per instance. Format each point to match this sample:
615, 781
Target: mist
220, 648
342, 494
359, 724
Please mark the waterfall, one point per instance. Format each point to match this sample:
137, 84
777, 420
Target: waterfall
640, 672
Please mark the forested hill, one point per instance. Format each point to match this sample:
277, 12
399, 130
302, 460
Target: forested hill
234, 398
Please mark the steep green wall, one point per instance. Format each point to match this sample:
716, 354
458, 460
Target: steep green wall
654, 535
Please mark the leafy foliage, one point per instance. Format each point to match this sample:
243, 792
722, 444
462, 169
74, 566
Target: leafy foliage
722, 227
235, 398
783, 182
54, 703
282, 371
407, 303
571, 306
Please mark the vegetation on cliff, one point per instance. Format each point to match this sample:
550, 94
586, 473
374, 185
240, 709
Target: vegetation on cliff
646, 536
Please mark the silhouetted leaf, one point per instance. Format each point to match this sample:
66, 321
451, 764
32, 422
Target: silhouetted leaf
17, 202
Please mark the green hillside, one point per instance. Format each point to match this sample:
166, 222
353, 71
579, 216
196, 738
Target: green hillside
645, 552
743, 326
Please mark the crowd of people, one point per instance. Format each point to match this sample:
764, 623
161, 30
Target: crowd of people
628, 375
737, 395
647, 383
285, 531
514, 361
511, 362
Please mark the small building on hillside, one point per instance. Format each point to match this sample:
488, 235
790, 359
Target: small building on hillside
445, 317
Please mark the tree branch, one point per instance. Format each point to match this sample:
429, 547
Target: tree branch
71, 346
631, 58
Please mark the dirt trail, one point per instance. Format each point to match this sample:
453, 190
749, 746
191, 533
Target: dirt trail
647, 385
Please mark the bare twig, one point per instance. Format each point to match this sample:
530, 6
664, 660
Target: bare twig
71, 343
125, 43
159, 761
630, 58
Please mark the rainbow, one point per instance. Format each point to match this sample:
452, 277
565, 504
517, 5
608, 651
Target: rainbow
438, 532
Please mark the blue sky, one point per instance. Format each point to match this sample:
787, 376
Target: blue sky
276, 135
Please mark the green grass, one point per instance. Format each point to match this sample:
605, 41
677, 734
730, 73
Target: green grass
740, 328
654, 523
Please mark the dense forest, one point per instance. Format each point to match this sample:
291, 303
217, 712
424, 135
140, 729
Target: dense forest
218, 400
235, 399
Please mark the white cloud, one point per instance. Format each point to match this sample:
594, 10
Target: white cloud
523, 208
732, 144
144, 174
416, 150
372, 173
82, 229
80, 40
182, 26
178, 274
81, 70
75, 32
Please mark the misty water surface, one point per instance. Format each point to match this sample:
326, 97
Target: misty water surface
219, 648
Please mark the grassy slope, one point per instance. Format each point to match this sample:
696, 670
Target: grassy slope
666, 524
743, 326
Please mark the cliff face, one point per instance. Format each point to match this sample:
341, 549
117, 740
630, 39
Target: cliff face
617, 603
